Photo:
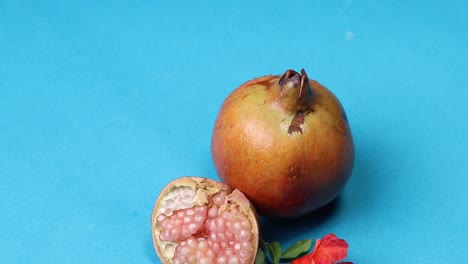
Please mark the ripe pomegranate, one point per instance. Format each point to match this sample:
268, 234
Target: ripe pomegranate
198, 220
285, 142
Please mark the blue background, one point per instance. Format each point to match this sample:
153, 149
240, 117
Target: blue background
102, 103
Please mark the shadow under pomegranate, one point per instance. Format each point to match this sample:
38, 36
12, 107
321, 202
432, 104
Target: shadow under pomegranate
274, 229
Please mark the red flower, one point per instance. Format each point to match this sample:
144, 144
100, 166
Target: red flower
327, 250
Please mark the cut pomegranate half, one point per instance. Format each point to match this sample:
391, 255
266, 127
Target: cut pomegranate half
199, 220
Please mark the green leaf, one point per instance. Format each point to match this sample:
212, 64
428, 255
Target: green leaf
260, 258
301, 246
274, 249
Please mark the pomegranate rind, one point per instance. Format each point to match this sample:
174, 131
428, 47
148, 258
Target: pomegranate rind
203, 189
288, 163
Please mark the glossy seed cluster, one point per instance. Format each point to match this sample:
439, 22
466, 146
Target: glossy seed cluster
215, 233
182, 224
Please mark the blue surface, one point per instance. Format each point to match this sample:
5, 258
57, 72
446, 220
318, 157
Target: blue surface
104, 102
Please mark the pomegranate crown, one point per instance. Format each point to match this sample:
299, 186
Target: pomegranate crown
295, 92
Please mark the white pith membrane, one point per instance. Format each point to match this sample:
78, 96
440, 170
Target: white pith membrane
195, 225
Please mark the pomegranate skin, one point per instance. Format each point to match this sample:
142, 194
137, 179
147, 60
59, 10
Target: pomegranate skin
285, 142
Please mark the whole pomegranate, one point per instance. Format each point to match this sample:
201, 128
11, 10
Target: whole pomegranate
285, 142
198, 220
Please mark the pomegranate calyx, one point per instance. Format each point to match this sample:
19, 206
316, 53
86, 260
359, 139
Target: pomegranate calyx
295, 92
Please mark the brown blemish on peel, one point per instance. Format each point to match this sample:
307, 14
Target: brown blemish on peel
297, 121
294, 173
266, 81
